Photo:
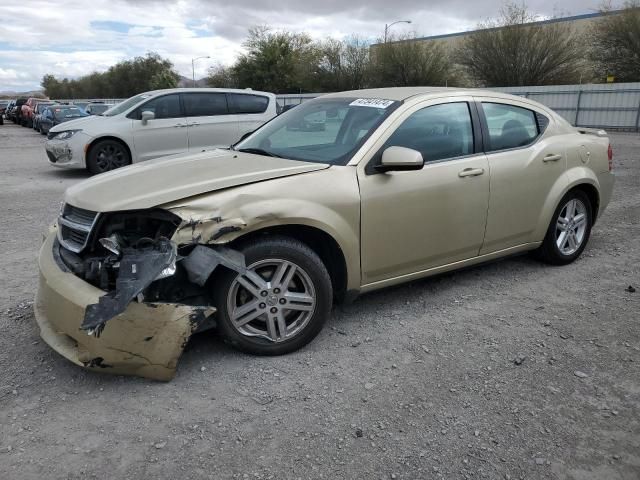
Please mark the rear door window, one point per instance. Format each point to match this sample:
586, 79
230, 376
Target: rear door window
205, 104
509, 126
246, 103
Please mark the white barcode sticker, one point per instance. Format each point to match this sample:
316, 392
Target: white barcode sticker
371, 102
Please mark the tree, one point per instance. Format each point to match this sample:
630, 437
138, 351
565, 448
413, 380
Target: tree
407, 61
123, 79
512, 51
281, 62
615, 41
344, 65
221, 77
164, 79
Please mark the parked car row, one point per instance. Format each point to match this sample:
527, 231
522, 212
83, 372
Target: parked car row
155, 124
29, 112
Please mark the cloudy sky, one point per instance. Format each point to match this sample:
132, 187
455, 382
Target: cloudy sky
74, 37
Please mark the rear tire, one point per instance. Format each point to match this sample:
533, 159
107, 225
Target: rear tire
280, 305
107, 155
569, 231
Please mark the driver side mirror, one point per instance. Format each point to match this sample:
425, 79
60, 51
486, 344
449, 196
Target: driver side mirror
146, 116
400, 159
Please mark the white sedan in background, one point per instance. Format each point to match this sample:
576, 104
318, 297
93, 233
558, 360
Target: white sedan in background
159, 123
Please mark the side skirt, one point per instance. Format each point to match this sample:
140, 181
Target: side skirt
449, 267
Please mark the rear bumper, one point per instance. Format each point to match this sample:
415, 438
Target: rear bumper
606, 181
146, 340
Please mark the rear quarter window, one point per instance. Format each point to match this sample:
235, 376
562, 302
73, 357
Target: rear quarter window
247, 103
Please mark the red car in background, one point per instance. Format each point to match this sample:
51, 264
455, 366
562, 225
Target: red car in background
26, 119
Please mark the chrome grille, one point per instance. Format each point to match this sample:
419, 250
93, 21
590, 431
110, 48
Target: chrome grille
74, 227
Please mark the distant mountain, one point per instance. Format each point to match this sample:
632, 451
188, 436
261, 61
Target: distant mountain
14, 94
182, 83
187, 82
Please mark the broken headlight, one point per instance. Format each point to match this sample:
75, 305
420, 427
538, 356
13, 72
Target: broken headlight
116, 235
120, 230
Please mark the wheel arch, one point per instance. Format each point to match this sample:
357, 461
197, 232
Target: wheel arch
321, 242
594, 198
583, 180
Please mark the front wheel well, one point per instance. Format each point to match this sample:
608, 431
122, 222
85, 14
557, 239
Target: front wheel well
99, 139
320, 242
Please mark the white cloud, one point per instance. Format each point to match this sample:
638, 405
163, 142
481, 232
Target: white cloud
71, 38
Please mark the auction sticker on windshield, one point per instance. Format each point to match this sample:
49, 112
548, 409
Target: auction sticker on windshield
372, 102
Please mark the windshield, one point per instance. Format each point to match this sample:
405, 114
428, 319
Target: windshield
98, 109
41, 106
126, 105
68, 112
325, 130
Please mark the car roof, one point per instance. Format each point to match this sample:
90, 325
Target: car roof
63, 105
392, 93
404, 93
207, 90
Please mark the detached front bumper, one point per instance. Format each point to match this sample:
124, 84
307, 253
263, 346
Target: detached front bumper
146, 340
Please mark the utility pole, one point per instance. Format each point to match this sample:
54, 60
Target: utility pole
193, 68
387, 27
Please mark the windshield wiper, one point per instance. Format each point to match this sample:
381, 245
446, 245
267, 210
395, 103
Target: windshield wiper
258, 151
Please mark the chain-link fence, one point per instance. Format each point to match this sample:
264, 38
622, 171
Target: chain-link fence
613, 106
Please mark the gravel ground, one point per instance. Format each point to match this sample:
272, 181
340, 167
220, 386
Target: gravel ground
509, 370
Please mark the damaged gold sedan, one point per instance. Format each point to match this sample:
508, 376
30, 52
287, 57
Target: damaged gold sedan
344, 194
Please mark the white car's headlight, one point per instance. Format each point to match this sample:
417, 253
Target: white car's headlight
66, 134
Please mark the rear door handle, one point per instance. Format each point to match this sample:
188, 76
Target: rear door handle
179, 125
194, 124
471, 172
552, 158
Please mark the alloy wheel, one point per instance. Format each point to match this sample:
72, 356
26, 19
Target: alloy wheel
273, 299
111, 156
571, 226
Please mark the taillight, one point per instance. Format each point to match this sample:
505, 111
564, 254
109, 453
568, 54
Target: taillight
610, 156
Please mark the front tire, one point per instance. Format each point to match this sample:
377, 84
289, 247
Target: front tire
569, 230
107, 155
279, 304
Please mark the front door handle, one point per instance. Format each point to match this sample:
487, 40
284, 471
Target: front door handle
194, 124
471, 172
552, 157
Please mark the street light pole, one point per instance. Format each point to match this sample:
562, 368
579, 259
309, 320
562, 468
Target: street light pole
387, 27
193, 68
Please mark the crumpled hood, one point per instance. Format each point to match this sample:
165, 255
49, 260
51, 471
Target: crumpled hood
155, 182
